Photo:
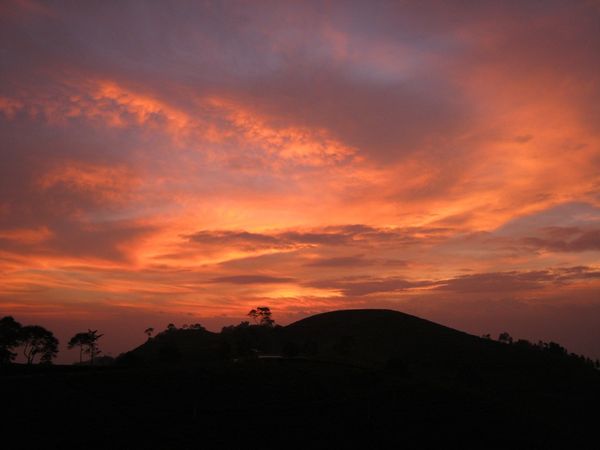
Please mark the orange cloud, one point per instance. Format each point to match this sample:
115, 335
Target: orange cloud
108, 183
27, 236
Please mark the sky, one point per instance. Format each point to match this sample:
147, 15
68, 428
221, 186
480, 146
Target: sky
187, 161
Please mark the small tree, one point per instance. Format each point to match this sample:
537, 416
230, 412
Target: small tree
79, 340
505, 337
9, 339
253, 314
87, 343
37, 340
148, 331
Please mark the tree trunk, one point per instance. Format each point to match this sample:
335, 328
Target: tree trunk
27, 353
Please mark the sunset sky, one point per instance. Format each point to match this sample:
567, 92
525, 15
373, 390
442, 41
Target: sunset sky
186, 161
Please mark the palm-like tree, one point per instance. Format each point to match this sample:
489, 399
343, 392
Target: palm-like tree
87, 342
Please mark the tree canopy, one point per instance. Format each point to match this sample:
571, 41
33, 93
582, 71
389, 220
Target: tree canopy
87, 343
9, 338
37, 340
262, 315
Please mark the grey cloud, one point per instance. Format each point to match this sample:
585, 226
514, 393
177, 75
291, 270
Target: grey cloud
354, 261
354, 287
71, 238
252, 279
340, 261
495, 282
565, 240
513, 281
242, 239
326, 236
482, 283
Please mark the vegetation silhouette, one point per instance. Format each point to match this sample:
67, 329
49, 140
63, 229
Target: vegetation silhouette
262, 316
505, 338
36, 340
376, 378
148, 332
10, 331
88, 343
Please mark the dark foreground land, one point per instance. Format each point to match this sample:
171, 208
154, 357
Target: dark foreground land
481, 395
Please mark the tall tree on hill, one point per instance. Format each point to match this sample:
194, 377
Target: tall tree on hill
262, 316
87, 343
9, 339
148, 331
37, 340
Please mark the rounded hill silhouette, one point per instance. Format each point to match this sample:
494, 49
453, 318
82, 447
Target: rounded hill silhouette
378, 335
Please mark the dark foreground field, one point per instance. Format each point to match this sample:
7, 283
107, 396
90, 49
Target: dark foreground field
288, 404
370, 378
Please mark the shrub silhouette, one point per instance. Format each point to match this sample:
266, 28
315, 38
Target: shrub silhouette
290, 350
310, 348
169, 353
245, 339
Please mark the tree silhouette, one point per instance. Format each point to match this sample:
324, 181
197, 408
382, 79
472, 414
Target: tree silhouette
262, 316
148, 331
253, 314
87, 343
505, 337
36, 340
9, 339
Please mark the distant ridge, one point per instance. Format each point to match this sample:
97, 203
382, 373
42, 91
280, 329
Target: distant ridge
376, 338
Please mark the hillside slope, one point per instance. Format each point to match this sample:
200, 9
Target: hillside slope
377, 336
175, 346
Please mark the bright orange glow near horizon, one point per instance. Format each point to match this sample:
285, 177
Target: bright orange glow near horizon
185, 164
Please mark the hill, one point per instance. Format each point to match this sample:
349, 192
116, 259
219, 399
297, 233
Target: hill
176, 345
364, 337
376, 336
